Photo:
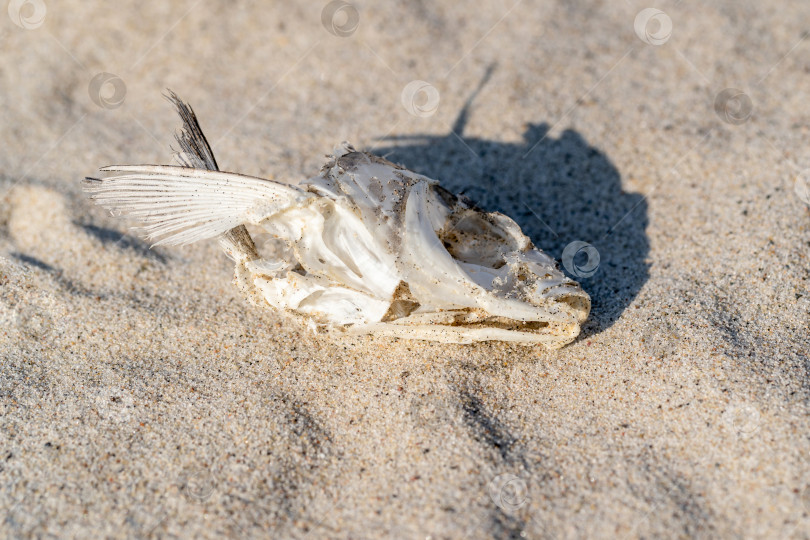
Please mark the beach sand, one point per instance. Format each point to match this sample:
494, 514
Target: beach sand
142, 396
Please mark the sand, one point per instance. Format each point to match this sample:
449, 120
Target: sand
142, 396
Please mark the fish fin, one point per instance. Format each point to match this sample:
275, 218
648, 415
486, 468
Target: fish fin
181, 205
195, 152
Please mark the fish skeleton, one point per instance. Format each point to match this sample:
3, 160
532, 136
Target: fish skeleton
364, 247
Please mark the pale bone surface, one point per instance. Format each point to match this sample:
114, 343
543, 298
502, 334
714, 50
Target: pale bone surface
367, 246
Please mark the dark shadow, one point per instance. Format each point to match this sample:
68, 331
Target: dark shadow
122, 241
33, 261
485, 427
559, 190
57, 274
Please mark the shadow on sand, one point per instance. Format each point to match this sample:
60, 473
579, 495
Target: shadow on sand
559, 190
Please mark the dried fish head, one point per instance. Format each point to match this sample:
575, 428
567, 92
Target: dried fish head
445, 269
366, 246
